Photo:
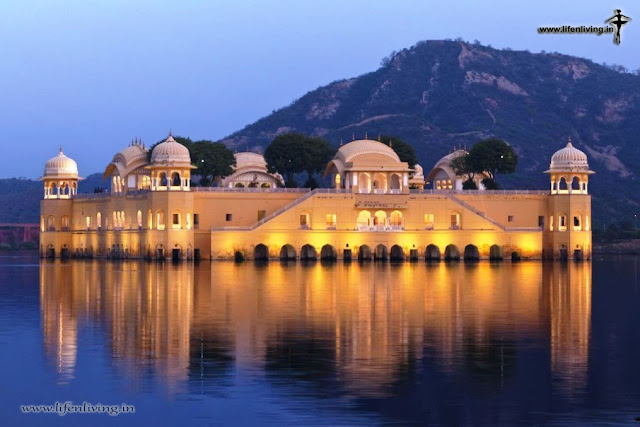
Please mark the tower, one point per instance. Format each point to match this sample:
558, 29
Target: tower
568, 230
60, 180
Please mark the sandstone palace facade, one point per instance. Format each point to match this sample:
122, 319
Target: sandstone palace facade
377, 209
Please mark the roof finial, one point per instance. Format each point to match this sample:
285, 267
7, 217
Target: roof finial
170, 133
60, 148
340, 142
353, 136
569, 141
390, 144
379, 138
366, 136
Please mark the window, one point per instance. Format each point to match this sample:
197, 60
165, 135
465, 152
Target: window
175, 220
228, 217
551, 223
305, 220
562, 222
428, 221
88, 222
330, 221
455, 221
196, 220
188, 220
160, 220
541, 222
261, 214
510, 218
577, 226
586, 223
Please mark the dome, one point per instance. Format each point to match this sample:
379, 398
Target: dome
249, 160
444, 164
61, 165
569, 158
171, 152
131, 154
366, 148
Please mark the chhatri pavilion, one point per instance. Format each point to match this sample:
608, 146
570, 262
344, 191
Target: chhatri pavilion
378, 208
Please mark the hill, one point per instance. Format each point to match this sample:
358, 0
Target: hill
441, 94
20, 197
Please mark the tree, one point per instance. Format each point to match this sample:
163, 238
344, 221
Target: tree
213, 159
286, 155
492, 156
317, 153
403, 149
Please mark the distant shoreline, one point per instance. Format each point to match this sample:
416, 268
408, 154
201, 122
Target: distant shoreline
627, 247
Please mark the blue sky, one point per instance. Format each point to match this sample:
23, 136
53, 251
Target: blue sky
91, 75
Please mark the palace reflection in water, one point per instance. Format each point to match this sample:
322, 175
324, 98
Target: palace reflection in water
344, 329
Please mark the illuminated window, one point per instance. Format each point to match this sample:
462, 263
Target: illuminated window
428, 221
139, 220
305, 220
64, 223
586, 223
98, 221
87, 222
188, 220
160, 220
455, 221
551, 223
330, 220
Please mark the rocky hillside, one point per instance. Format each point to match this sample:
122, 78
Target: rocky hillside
441, 94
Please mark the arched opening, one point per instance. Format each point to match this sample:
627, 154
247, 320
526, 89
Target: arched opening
364, 220
64, 189
265, 185
253, 185
471, 253
396, 220
162, 179
261, 252
287, 253
578, 254
563, 253
308, 253
562, 185
575, 184
394, 183
364, 183
562, 222
381, 253
175, 179
239, 185
53, 189
379, 183
338, 181
495, 253
380, 220
328, 253
364, 253
139, 218
146, 182
188, 220
64, 223
577, 223
396, 253
432, 253
149, 219
98, 220
51, 223
451, 253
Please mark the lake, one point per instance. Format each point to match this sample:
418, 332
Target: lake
341, 344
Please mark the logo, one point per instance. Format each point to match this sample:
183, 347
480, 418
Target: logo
615, 24
617, 21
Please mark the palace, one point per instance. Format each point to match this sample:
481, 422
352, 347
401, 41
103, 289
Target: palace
378, 209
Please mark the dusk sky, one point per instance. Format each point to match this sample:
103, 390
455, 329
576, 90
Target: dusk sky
92, 75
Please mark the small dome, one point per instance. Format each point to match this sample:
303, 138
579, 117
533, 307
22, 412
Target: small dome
249, 160
61, 165
569, 158
366, 148
171, 152
132, 153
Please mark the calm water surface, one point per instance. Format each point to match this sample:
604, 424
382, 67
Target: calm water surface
525, 343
